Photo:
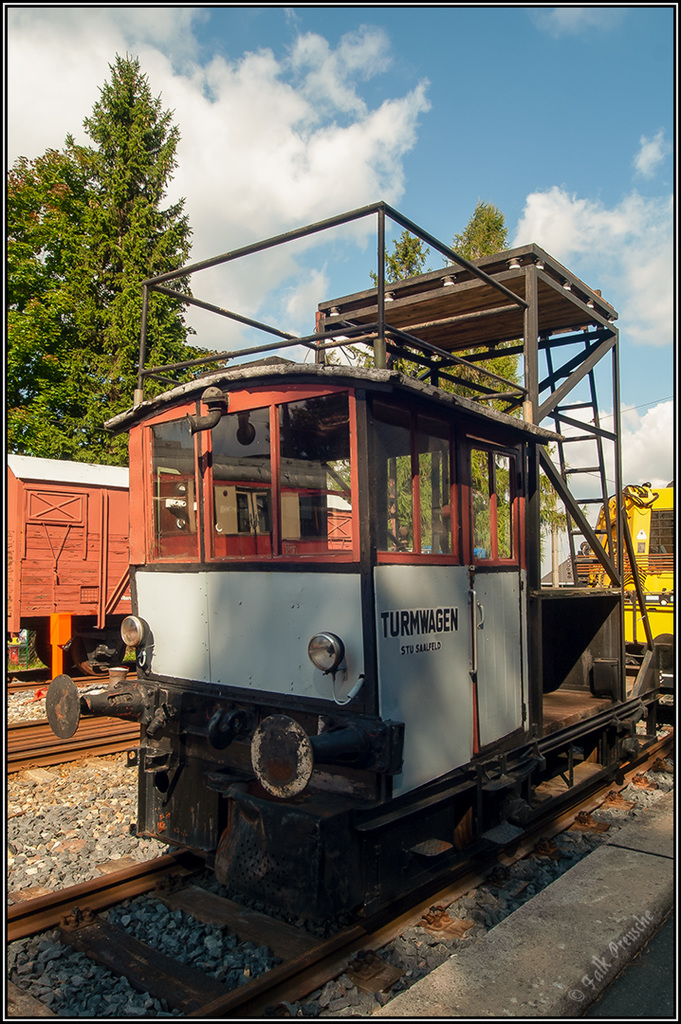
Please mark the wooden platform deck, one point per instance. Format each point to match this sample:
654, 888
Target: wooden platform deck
565, 707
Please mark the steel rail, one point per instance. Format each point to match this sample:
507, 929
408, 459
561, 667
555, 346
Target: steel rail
43, 912
32, 744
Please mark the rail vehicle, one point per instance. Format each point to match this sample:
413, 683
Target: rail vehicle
349, 677
649, 577
67, 567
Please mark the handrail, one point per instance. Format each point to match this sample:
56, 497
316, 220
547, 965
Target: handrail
382, 210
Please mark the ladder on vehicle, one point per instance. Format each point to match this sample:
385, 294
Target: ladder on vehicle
579, 422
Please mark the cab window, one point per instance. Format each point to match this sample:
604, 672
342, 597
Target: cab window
281, 483
242, 484
315, 491
175, 533
661, 532
493, 505
413, 482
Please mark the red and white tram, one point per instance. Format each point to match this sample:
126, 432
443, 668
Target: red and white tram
349, 675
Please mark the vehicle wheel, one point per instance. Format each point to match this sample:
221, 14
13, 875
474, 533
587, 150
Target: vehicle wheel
43, 648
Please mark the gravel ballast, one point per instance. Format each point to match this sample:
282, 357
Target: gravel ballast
67, 820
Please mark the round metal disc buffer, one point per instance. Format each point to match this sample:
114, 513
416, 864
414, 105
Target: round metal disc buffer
281, 755
62, 704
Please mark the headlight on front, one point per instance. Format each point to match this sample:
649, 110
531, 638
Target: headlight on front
133, 631
326, 652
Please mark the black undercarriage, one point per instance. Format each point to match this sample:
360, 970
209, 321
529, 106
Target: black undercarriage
340, 846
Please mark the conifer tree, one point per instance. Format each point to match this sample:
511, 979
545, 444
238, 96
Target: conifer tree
485, 233
85, 227
406, 260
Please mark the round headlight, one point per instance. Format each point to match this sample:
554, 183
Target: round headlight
326, 651
132, 631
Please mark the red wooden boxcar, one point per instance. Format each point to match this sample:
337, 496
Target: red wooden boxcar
67, 547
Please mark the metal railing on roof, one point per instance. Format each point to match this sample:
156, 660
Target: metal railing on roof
381, 335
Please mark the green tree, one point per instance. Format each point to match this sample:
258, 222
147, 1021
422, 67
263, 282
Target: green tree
85, 226
485, 234
45, 199
406, 260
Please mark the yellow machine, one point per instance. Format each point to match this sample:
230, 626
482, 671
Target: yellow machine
650, 517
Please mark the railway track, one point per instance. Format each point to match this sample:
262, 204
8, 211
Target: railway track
306, 963
29, 679
37, 678
33, 744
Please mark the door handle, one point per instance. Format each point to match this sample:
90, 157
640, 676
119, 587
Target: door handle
474, 638
476, 624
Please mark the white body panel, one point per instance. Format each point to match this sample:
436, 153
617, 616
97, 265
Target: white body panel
426, 657
251, 629
425, 673
501, 650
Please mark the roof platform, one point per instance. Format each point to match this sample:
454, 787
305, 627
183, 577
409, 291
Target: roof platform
454, 309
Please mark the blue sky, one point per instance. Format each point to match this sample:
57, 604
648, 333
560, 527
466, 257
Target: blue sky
562, 117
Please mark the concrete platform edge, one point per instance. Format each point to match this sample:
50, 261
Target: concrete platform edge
556, 954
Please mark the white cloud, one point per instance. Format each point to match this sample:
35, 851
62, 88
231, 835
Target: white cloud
58, 58
628, 247
300, 303
626, 250
267, 143
648, 445
651, 154
562, 21
255, 157
328, 75
255, 160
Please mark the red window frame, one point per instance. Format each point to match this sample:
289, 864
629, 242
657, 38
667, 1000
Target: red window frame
144, 481
418, 557
141, 448
516, 506
274, 399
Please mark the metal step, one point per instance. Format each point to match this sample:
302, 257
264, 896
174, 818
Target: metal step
502, 834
